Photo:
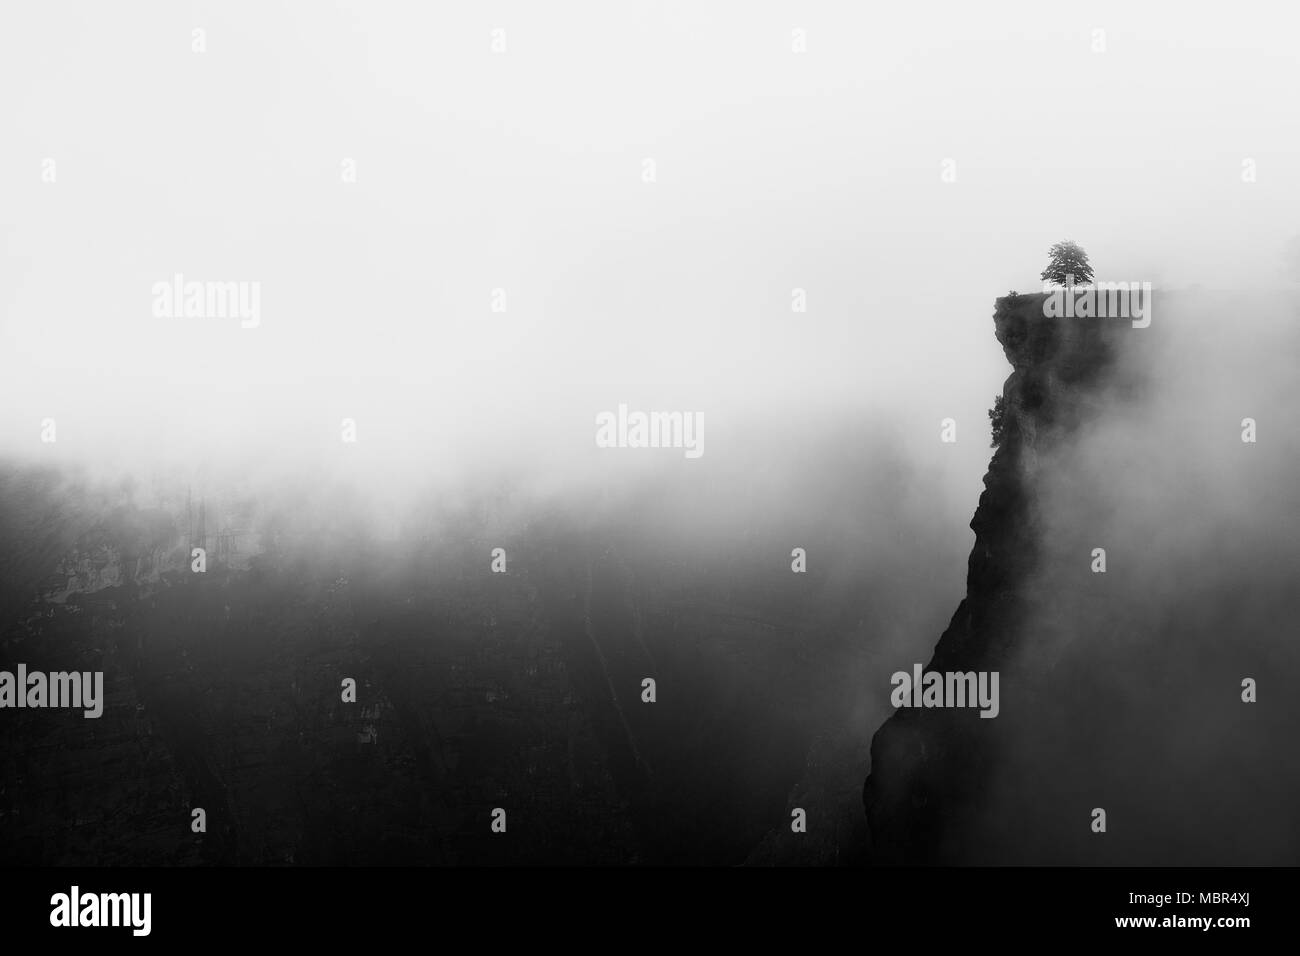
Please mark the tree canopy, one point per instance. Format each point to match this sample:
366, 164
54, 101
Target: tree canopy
1067, 259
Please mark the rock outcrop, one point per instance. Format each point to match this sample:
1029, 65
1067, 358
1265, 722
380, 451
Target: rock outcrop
930, 766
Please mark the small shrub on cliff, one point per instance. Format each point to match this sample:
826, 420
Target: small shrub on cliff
998, 418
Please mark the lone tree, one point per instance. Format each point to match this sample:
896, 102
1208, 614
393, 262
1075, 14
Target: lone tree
1067, 259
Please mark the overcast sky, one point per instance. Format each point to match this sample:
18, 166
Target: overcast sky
523, 170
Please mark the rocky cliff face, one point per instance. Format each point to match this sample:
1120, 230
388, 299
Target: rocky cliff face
930, 766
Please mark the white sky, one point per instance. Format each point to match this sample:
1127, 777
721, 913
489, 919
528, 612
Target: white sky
523, 171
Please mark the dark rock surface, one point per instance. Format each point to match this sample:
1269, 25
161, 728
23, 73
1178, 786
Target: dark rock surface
929, 767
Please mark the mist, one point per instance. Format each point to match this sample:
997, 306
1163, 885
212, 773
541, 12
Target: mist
522, 171
1184, 474
474, 231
